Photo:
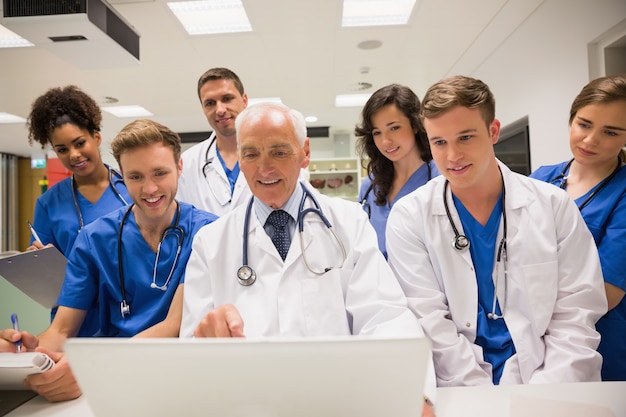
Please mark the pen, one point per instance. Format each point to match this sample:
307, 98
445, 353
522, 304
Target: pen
16, 326
34, 233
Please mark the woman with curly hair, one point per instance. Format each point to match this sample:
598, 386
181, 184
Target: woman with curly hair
392, 139
68, 120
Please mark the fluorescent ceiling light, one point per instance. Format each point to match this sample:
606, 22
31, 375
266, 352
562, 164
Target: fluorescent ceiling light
9, 39
6, 118
376, 12
211, 16
127, 111
351, 100
252, 101
310, 119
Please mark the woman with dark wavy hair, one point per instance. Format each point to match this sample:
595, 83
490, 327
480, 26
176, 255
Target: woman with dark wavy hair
392, 140
595, 178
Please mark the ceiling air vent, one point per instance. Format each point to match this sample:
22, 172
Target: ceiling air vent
88, 33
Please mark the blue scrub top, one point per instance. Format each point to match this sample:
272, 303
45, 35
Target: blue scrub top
92, 271
56, 221
605, 215
492, 335
378, 214
232, 175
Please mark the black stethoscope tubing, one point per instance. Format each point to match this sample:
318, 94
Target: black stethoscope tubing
124, 305
563, 184
461, 242
206, 157
112, 173
367, 206
246, 276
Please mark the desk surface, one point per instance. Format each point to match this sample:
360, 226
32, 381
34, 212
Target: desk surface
570, 400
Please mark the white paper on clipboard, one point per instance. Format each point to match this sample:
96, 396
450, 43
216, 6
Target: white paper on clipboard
39, 274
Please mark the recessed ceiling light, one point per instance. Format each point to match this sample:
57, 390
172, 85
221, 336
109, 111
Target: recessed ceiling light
376, 12
360, 86
311, 119
6, 118
351, 100
127, 111
371, 44
10, 39
207, 17
107, 100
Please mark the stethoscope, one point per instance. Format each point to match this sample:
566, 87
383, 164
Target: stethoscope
180, 235
112, 181
367, 206
563, 181
206, 158
461, 242
246, 275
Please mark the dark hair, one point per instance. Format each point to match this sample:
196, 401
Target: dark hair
59, 106
379, 167
459, 91
220, 74
602, 90
144, 132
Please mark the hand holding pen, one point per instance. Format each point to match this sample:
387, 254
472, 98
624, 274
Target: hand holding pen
15, 340
16, 327
37, 243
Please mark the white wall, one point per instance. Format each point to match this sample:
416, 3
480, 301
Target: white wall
540, 78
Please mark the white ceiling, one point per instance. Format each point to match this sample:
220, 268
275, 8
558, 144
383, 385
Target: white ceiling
297, 51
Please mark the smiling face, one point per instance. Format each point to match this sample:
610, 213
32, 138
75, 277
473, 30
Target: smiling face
77, 149
151, 176
598, 133
462, 147
221, 103
271, 156
393, 134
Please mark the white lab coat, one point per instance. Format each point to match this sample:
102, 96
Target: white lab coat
554, 289
212, 193
360, 297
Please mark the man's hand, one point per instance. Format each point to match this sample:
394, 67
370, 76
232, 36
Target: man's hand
56, 384
224, 321
8, 337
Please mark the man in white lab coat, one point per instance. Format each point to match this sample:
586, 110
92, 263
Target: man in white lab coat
210, 179
330, 282
500, 270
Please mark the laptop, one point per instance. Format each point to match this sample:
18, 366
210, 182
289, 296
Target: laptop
347, 376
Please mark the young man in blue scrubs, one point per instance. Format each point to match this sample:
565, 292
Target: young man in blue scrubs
131, 261
500, 270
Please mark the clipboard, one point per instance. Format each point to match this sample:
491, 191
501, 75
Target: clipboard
39, 274
14, 367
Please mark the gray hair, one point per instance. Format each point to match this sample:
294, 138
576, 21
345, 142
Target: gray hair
277, 111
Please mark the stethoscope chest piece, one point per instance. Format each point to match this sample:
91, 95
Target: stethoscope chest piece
246, 275
460, 242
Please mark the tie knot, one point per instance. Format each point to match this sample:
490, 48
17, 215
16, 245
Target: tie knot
278, 218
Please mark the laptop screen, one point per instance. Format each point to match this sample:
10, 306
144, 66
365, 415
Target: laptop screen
347, 376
